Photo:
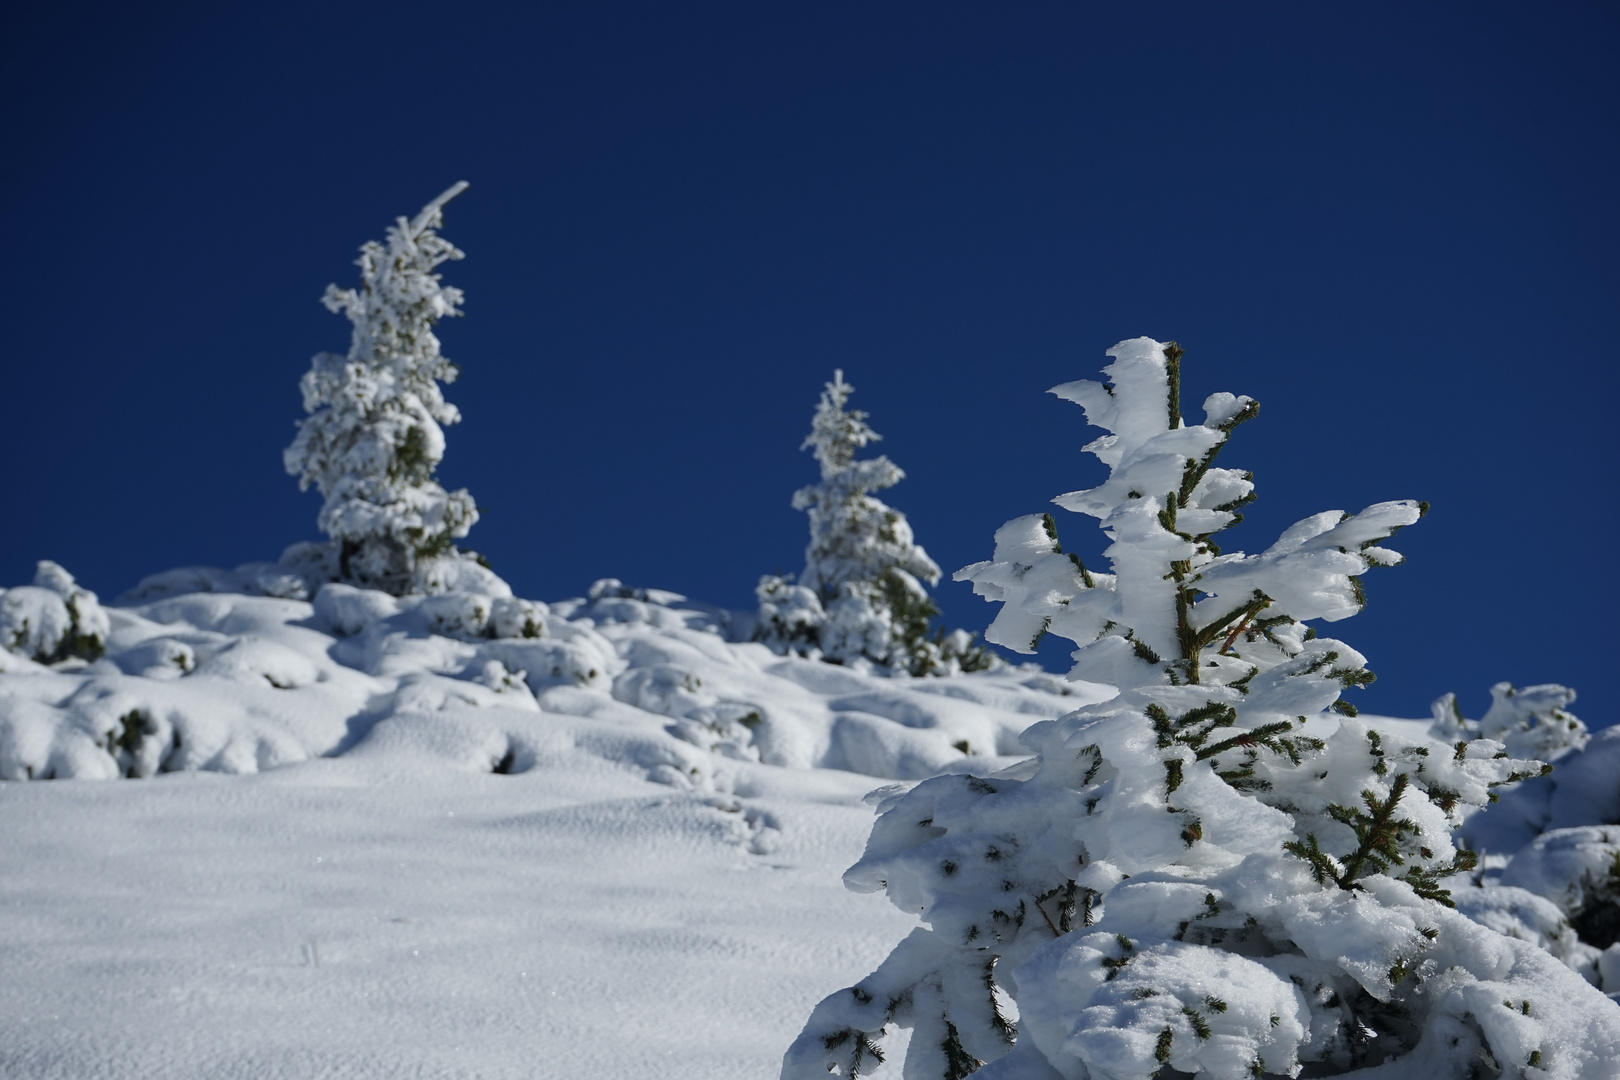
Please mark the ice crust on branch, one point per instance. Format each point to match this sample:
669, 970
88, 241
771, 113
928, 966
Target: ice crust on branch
862, 596
1218, 870
375, 430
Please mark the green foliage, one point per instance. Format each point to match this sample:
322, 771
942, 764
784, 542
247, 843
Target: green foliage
861, 1051
958, 1062
1195, 728
1380, 837
78, 641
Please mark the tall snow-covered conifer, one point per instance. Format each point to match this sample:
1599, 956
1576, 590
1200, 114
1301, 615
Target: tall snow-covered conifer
374, 434
862, 592
1218, 871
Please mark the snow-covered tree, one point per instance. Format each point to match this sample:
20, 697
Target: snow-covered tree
374, 434
1218, 871
862, 592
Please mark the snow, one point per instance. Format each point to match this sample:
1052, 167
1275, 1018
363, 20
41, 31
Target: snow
470, 834
574, 920
651, 886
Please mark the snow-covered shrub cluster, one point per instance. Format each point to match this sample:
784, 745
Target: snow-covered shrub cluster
1217, 871
861, 597
742, 702
374, 434
51, 620
231, 671
1531, 722
233, 683
1550, 848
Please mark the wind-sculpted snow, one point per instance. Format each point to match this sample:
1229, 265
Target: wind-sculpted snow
236, 683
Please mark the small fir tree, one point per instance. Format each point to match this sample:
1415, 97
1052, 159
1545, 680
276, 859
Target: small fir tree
1218, 871
375, 430
862, 593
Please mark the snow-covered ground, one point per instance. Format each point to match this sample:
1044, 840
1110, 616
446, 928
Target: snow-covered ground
467, 834
380, 917
324, 875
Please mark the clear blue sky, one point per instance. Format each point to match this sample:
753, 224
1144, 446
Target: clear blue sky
1393, 224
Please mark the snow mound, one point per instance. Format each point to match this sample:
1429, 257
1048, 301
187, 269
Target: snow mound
245, 670
53, 619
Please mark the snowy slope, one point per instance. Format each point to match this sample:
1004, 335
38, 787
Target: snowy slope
650, 885
575, 920
461, 835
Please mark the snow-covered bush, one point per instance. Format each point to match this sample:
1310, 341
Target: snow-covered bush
790, 616
1550, 848
862, 595
1532, 722
374, 434
1218, 871
52, 619
1581, 790
1578, 869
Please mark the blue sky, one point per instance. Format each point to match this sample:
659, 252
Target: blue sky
1393, 224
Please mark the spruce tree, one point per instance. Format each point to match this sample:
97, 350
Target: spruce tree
1219, 871
862, 593
375, 430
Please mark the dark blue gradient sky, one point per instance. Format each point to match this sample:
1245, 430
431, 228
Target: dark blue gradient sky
1393, 224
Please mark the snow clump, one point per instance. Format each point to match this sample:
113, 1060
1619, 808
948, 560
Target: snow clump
1550, 849
51, 620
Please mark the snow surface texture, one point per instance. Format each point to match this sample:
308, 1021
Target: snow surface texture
380, 916
1218, 871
